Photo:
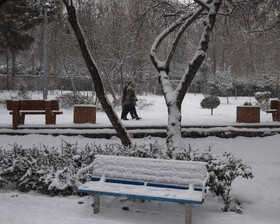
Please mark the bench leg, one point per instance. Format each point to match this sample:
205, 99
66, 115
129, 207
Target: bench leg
16, 114
276, 117
50, 117
21, 118
188, 214
96, 204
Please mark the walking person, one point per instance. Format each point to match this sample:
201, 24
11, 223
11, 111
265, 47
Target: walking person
125, 107
131, 100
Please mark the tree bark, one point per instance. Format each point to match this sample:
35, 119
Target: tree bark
68, 74
111, 88
13, 69
100, 92
7, 69
174, 137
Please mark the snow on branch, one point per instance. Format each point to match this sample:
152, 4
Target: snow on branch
202, 4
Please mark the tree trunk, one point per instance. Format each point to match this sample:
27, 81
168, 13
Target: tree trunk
278, 89
115, 101
68, 74
99, 88
13, 68
174, 138
71, 81
7, 69
214, 58
33, 62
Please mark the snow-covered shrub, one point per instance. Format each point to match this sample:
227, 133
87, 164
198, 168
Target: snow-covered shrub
53, 171
2, 162
67, 100
22, 94
210, 102
263, 99
223, 171
48, 170
154, 150
19, 168
221, 84
143, 103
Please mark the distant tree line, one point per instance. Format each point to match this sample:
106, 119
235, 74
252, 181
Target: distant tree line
120, 33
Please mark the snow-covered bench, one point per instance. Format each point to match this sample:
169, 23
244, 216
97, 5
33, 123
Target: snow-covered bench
150, 179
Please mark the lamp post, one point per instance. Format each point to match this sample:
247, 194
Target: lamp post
45, 81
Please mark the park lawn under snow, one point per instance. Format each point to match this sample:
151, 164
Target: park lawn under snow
260, 196
192, 113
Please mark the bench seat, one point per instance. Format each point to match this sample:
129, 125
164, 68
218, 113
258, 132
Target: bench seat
271, 111
144, 191
37, 112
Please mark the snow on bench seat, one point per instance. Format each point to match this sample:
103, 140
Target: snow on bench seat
151, 179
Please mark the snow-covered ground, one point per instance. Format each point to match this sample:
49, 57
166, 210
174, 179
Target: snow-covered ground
192, 113
260, 196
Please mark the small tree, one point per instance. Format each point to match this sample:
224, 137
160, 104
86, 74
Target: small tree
263, 99
210, 102
175, 96
222, 84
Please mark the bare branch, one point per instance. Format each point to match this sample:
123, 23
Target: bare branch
183, 28
201, 50
159, 64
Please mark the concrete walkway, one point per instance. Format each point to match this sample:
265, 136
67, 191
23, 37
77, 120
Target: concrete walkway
107, 131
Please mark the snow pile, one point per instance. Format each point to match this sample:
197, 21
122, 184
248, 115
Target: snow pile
147, 170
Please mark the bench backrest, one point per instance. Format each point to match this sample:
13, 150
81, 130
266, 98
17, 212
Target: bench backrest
32, 104
157, 171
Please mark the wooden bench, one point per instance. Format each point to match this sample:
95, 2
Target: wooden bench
148, 179
274, 110
19, 108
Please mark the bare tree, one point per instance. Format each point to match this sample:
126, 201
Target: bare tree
174, 97
120, 40
91, 65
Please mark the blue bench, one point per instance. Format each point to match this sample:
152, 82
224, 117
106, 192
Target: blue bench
148, 179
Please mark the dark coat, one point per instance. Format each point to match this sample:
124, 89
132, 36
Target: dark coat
131, 98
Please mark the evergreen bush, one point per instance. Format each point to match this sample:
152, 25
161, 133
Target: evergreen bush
210, 102
67, 100
247, 104
263, 99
